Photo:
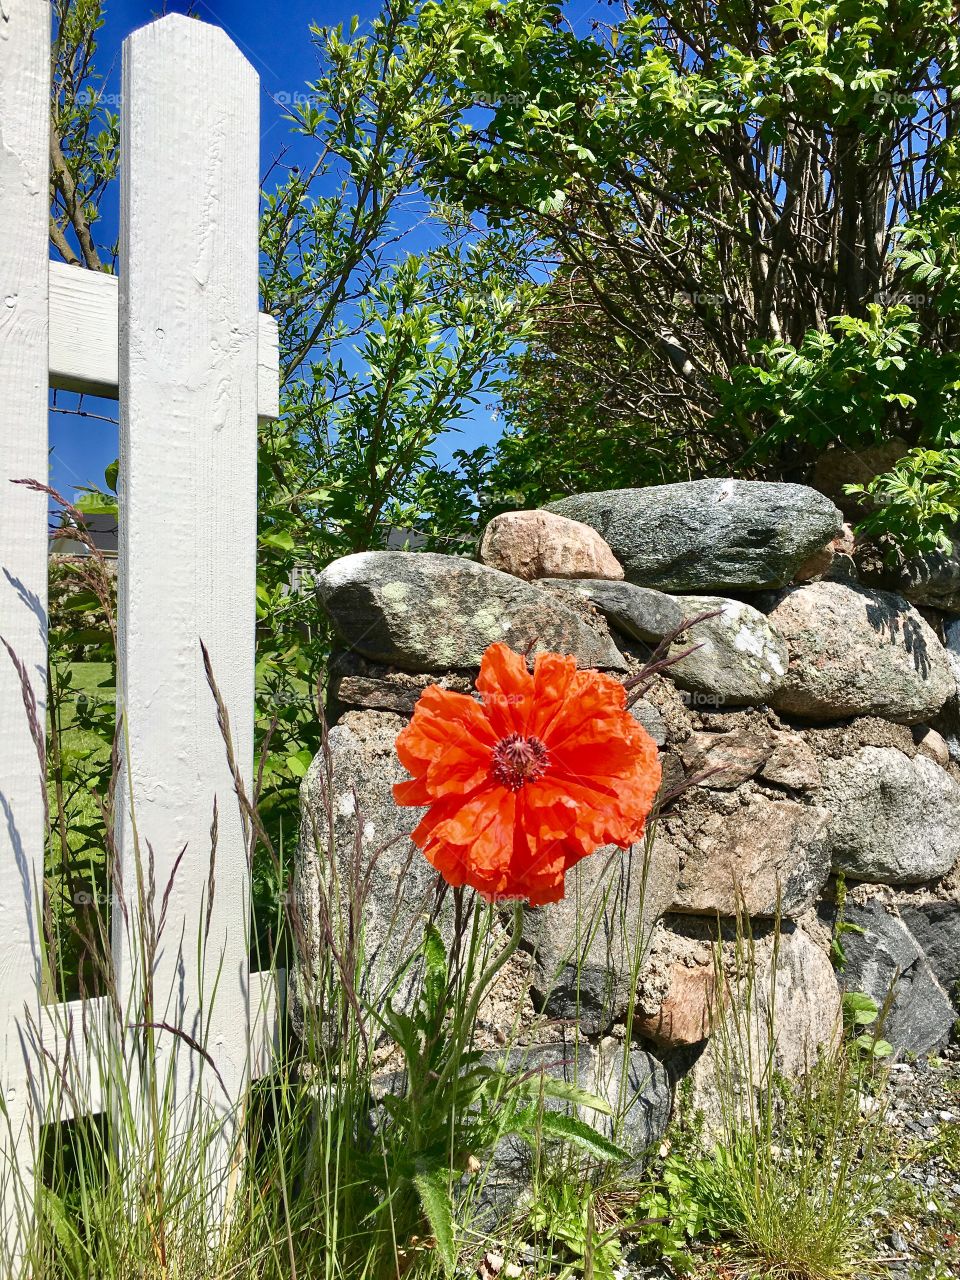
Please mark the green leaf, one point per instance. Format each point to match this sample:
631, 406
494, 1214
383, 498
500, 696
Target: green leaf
552, 1087
471, 1086
555, 1124
280, 539
81, 602
403, 1029
435, 1198
859, 1009
435, 976
69, 1242
875, 1048
533, 1123
434, 953
300, 762
94, 503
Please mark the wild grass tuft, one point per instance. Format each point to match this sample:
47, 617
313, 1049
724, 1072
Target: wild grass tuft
785, 1177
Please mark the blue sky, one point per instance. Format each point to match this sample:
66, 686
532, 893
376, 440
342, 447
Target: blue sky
280, 49
276, 39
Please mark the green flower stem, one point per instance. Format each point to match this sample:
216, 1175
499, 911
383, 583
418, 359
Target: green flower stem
466, 1023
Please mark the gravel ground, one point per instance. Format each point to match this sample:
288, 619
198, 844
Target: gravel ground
920, 1234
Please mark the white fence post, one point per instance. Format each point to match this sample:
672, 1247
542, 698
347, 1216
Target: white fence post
188, 411
24, 218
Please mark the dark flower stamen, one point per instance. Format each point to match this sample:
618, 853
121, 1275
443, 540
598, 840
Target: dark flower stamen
517, 760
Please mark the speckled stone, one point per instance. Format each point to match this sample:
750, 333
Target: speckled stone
428, 612
858, 652
709, 535
737, 657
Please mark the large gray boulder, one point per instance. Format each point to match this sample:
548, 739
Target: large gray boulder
709, 535
933, 579
882, 956
732, 658
637, 1088
857, 652
641, 1106
936, 927
737, 658
586, 945
893, 820
427, 612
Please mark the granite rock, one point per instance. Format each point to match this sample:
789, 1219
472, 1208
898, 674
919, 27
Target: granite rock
641, 1107
935, 926
541, 544
636, 612
733, 657
761, 855
352, 832
709, 536
790, 985
853, 652
427, 612
585, 946
893, 820
881, 955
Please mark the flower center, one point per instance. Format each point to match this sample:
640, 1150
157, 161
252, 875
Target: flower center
516, 760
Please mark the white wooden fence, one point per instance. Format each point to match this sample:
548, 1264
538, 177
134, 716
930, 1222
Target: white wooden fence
179, 341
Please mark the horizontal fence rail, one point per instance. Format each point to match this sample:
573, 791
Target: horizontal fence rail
179, 341
85, 339
65, 1031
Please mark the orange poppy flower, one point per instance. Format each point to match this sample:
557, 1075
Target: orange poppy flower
519, 787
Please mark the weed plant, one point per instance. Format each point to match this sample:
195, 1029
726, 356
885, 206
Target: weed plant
785, 1176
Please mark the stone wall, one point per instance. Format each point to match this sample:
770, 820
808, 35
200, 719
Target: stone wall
810, 726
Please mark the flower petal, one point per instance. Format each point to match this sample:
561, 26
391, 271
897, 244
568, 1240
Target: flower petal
507, 689
515, 835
